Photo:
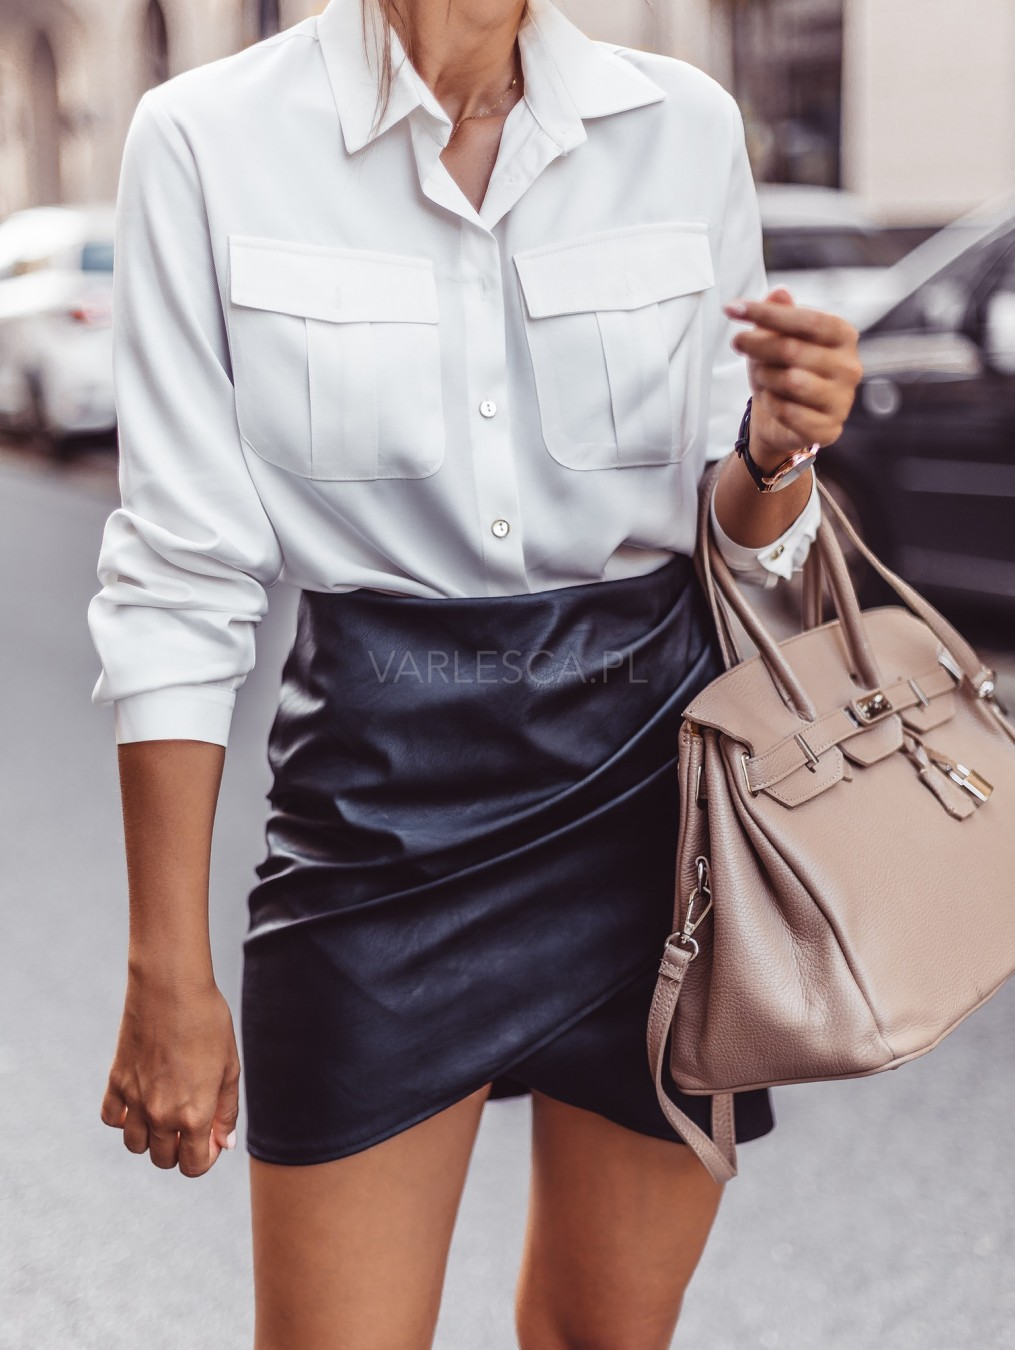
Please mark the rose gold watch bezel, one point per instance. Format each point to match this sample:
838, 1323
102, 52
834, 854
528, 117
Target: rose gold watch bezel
794, 461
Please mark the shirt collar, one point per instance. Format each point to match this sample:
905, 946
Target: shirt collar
568, 76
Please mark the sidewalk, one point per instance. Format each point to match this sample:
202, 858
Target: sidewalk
879, 1215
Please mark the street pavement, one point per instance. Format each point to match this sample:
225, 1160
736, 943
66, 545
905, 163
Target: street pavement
879, 1215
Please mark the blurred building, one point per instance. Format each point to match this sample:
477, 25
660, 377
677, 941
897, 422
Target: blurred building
929, 104
909, 103
71, 72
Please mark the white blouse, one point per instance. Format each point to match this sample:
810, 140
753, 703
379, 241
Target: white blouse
331, 369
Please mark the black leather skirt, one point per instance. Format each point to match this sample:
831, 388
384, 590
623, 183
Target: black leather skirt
470, 859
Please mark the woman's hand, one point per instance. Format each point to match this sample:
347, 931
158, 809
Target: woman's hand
803, 369
173, 1086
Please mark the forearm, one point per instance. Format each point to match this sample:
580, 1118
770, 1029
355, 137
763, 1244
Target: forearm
754, 518
169, 791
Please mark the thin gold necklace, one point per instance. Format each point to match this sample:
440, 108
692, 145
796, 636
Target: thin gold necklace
485, 112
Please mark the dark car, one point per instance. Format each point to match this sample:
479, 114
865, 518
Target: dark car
926, 464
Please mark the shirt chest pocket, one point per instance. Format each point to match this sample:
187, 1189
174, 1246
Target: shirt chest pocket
336, 359
615, 327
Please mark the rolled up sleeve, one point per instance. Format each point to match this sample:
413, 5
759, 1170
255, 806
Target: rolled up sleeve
778, 559
186, 558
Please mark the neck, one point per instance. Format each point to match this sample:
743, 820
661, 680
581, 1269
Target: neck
464, 49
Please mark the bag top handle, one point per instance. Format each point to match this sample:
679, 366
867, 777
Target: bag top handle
725, 595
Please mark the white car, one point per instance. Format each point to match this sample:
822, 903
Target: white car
56, 280
827, 249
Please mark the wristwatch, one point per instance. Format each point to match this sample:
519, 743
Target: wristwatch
774, 480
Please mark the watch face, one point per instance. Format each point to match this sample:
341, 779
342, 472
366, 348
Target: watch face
784, 480
791, 469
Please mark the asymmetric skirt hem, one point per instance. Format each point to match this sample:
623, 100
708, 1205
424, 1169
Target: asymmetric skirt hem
329, 1151
753, 1116
471, 860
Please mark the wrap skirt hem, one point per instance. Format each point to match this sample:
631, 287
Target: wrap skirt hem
752, 1116
470, 860
325, 1152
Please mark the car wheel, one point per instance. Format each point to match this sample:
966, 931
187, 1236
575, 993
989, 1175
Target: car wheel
16, 398
52, 443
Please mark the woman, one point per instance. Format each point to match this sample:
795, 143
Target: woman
446, 342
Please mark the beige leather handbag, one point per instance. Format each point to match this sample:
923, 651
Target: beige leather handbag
845, 888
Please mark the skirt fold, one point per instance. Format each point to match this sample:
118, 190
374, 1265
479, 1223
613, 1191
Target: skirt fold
470, 858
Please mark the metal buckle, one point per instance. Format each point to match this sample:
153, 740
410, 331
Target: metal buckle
812, 761
945, 658
974, 783
987, 691
702, 887
921, 697
873, 706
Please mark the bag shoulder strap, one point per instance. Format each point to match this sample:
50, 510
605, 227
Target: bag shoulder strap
718, 1154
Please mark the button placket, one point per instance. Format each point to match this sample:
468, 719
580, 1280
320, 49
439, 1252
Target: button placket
498, 513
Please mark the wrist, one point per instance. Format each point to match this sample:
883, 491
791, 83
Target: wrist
157, 971
769, 475
767, 457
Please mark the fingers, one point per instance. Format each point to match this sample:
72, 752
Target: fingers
186, 1138
776, 349
808, 425
116, 1113
780, 295
114, 1108
163, 1146
797, 385
135, 1131
203, 1140
198, 1149
814, 325
173, 1088
228, 1108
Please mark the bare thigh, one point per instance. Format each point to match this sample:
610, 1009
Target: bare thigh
617, 1224
351, 1254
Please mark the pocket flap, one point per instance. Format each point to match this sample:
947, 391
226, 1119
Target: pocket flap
620, 269
344, 285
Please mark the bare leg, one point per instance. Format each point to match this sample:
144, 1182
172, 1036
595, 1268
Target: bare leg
351, 1254
617, 1224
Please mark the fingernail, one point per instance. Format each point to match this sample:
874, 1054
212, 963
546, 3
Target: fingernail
736, 308
231, 1139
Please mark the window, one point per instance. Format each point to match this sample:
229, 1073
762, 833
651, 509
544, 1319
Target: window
156, 46
787, 72
268, 20
44, 139
97, 256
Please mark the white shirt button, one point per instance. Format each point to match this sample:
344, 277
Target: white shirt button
500, 527
488, 408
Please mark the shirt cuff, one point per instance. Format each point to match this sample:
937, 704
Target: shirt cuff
178, 713
780, 558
